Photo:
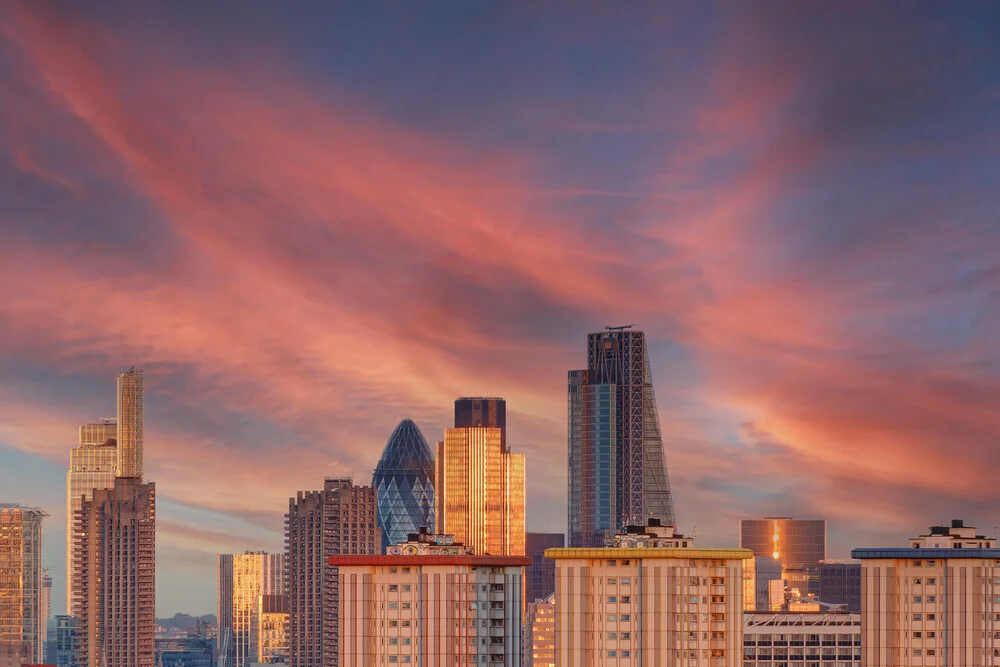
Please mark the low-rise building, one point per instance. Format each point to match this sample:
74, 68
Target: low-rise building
802, 639
540, 633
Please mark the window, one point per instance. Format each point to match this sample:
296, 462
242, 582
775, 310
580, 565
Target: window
918, 617
393, 605
393, 588
917, 651
918, 598
916, 563
931, 634
393, 641
930, 651
612, 618
931, 617
625, 581
931, 581
612, 635
612, 654
612, 599
612, 563
917, 580
626, 635
406, 587
626, 654
626, 599
612, 580
393, 570
406, 570
393, 658
626, 562
406, 605
626, 618
931, 598
917, 635
931, 563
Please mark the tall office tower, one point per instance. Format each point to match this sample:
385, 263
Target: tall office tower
542, 573
63, 644
92, 466
340, 519
268, 629
243, 579
130, 423
479, 491
433, 610
482, 411
936, 602
540, 633
22, 627
114, 559
800, 545
660, 606
617, 470
404, 484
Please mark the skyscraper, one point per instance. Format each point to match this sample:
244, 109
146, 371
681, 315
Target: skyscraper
91, 466
799, 544
22, 627
479, 491
115, 563
130, 424
482, 411
243, 579
340, 519
404, 484
541, 576
617, 469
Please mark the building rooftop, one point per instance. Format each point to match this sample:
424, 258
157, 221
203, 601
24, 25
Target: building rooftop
644, 552
925, 554
420, 560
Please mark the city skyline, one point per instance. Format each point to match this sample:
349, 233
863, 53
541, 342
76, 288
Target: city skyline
306, 226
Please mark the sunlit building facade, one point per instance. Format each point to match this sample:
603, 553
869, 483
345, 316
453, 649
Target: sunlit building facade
431, 610
674, 607
114, 561
936, 602
800, 545
540, 633
22, 624
92, 465
479, 491
269, 629
404, 484
130, 423
340, 519
617, 470
243, 579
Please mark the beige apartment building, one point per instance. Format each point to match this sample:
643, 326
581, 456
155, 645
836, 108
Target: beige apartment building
649, 606
936, 602
430, 610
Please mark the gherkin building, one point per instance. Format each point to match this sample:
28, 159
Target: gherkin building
404, 484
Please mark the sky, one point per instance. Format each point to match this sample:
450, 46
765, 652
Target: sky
309, 221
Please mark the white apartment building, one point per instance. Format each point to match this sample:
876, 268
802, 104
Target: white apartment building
801, 640
661, 607
442, 610
934, 603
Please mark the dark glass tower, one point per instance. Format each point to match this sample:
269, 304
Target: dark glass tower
482, 411
617, 470
404, 484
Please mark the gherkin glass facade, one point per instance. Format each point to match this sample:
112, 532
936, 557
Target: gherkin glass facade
404, 484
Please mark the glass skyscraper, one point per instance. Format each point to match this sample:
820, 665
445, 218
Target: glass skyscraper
243, 580
404, 484
482, 411
22, 627
130, 424
617, 469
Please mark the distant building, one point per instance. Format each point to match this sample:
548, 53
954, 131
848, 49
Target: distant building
665, 606
130, 424
802, 639
617, 473
430, 610
243, 579
22, 626
542, 573
934, 602
61, 640
769, 587
653, 535
840, 584
114, 561
92, 466
800, 545
475, 412
540, 633
479, 491
404, 484
194, 650
45, 608
340, 519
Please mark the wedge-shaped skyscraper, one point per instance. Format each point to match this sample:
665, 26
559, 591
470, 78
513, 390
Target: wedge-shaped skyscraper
617, 470
404, 484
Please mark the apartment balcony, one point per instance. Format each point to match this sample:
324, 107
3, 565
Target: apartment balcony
498, 614
496, 596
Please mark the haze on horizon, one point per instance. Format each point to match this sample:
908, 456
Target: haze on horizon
307, 222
